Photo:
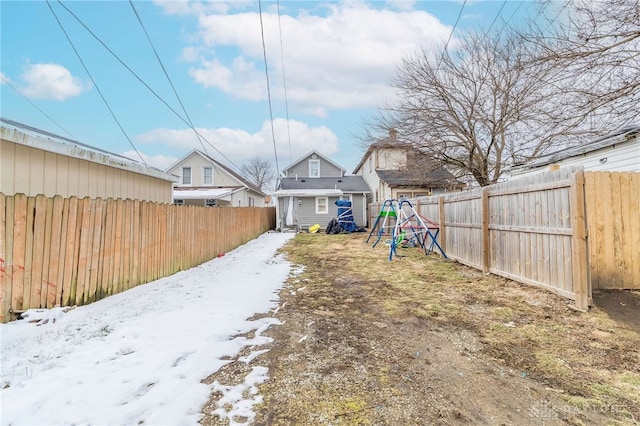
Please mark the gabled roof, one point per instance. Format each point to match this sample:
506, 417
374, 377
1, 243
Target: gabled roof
344, 183
385, 143
620, 136
299, 160
23, 134
220, 165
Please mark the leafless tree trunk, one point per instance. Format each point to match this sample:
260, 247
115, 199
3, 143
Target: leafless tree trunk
259, 172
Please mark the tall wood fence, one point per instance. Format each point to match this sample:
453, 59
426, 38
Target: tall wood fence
613, 215
71, 251
532, 230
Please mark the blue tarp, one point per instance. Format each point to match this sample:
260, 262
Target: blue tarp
345, 216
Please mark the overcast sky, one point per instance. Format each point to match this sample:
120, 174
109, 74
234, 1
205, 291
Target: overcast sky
334, 58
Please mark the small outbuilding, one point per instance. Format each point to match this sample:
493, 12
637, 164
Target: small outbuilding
33, 162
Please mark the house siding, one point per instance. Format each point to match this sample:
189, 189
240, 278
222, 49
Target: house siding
304, 215
301, 169
33, 171
622, 157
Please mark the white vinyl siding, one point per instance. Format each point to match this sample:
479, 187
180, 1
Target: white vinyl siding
322, 205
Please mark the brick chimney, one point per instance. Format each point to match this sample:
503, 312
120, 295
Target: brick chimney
393, 135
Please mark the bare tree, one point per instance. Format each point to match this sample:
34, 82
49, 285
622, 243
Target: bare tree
598, 46
481, 108
259, 172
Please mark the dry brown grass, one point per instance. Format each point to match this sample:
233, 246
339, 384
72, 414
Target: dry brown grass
590, 359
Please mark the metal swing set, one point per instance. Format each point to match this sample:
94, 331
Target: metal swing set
406, 227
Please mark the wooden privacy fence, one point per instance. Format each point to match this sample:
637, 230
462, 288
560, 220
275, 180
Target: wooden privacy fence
71, 251
613, 215
532, 230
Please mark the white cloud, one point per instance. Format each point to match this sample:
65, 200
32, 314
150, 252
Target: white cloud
158, 161
239, 145
342, 60
51, 81
4, 79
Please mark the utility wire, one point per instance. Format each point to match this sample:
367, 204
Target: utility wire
164, 70
94, 83
497, 15
444, 51
144, 83
35, 106
284, 82
266, 70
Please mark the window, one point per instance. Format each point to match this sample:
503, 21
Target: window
178, 202
186, 175
314, 168
207, 175
402, 195
210, 202
252, 202
322, 205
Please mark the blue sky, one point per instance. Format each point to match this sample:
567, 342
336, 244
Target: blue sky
338, 60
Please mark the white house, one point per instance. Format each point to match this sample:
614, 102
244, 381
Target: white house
396, 170
616, 152
203, 181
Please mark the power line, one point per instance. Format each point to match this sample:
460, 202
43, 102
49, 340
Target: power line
284, 82
164, 70
94, 83
35, 106
444, 51
497, 15
144, 83
266, 70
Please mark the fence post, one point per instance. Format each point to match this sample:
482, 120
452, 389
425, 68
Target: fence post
5, 282
580, 254
486, 243
443, 232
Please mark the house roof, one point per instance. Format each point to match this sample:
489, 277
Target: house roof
438, 178
620, 136
203, 193
386, 143
299, 160
23, 134
222, 166
344, 183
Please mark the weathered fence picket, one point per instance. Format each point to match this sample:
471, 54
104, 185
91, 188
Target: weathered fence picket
56, 251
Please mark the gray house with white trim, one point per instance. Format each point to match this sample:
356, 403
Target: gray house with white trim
307, 193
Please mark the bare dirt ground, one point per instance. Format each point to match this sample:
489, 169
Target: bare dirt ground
421, 340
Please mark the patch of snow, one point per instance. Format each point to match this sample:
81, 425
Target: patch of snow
138, 357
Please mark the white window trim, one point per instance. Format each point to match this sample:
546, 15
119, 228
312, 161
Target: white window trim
326, 205
314, 162
190, 175
203, 175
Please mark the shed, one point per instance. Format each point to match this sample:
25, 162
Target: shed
33, 162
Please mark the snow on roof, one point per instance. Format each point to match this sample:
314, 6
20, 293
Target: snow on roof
301, 192
23, 134
202, 193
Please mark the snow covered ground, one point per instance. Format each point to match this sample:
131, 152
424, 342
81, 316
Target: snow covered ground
138, 357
